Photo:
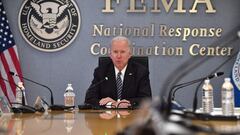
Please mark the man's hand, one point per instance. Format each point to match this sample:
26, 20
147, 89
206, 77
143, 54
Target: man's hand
108, 115
122, 104
104, 101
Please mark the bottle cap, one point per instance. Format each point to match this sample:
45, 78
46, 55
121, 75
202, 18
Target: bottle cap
227, 79
69, 87
207, 81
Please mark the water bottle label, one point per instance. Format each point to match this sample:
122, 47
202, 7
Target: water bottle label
229, 94
69, 101
207, 94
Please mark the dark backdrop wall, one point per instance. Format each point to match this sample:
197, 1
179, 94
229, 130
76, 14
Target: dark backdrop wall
75, 64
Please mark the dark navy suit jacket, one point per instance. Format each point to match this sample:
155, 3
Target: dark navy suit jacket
136, 84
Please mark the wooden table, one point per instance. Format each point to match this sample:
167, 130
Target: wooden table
84, 122
222, 126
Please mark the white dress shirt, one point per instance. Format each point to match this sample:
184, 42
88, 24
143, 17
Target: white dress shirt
122, 71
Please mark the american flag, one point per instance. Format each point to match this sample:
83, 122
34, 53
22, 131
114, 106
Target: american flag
9, 59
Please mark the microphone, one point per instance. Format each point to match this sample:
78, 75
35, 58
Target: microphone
191, 64
195, 98
90, 106
195, 101
175, 88
179, 86
53, 106
14, 74
98, 83
24, 108
215, 75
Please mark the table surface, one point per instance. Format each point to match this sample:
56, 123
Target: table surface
85, 122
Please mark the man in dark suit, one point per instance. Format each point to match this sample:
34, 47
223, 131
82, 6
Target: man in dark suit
127, 82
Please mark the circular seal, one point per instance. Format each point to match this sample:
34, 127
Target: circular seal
236, 72
49, 25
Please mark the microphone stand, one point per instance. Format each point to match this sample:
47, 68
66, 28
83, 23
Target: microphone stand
175, 88
98, 83
176, 75
88, 105
53, 106
195, 101
179, 86
24, 108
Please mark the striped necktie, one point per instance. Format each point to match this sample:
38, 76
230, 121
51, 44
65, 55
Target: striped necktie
119, 85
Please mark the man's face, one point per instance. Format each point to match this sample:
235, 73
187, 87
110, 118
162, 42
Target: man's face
120, 53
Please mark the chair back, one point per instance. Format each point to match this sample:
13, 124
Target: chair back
139, 59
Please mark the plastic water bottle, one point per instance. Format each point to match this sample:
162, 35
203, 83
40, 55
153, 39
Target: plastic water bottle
227, 98
207, 97
69, 96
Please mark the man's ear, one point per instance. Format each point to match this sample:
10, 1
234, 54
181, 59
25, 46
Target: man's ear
130, 55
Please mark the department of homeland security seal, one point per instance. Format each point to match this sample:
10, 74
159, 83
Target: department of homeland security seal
49, 25
236, 72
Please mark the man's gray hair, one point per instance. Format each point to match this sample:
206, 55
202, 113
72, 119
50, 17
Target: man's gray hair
117, 38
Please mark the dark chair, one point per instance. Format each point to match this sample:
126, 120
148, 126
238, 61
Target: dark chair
139, 59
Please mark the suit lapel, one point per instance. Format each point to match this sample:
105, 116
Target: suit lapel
112, 81
128, 80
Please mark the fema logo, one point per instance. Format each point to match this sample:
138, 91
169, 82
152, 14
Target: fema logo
236, 72
49, 25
